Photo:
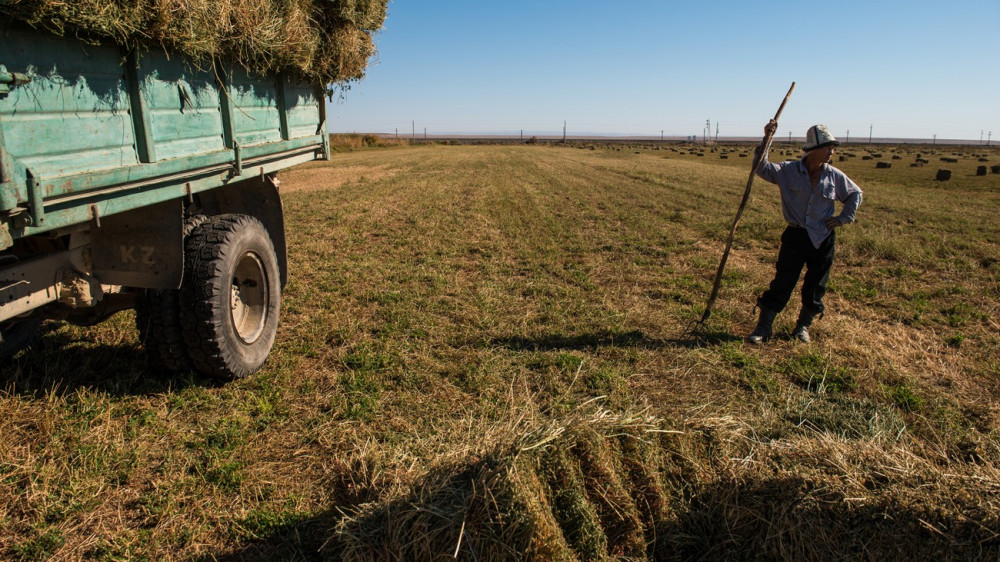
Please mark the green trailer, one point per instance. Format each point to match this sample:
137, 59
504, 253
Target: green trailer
138, 179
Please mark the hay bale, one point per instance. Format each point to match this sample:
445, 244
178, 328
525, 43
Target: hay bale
995, 169
981, 170
321, 41
943, 175
883, 165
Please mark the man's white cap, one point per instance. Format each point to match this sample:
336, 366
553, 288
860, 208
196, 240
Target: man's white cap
819, 136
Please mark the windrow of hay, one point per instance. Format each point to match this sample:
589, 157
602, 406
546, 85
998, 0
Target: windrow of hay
555, 492
322, 41
605, 485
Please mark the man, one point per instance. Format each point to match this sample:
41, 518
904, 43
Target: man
808, 189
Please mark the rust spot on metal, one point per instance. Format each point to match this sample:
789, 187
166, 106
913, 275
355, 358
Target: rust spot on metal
52, 189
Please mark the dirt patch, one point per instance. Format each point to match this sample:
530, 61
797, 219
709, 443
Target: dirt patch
326, 178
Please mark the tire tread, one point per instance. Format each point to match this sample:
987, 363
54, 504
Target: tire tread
202, 315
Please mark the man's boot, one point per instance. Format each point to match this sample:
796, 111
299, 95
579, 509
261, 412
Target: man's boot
763, 329
801, 331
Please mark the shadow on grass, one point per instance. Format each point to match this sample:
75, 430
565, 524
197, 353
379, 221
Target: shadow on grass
794, 518
56, 363
633, 338
780, 518
306, 540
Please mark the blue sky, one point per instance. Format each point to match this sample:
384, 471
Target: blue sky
909, 69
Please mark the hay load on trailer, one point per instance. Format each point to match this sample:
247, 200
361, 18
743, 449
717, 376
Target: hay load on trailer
322, 42
140, 142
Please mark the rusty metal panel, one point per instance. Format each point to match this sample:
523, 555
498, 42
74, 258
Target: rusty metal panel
302, 107
255, 108
73, 114
183, 104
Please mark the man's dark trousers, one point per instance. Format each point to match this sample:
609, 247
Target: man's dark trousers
796, 251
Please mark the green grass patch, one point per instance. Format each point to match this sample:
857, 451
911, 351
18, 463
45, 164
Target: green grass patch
817, 373
41, 544
751, 374
904, 396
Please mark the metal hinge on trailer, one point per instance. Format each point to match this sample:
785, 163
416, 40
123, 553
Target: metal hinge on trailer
9, 80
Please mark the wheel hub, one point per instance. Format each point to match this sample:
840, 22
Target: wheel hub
249, 297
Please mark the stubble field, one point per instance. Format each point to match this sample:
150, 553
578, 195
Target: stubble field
481, 356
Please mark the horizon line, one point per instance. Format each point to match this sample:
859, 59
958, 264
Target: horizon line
558, 136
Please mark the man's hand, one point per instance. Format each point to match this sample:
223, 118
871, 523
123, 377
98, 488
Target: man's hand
832, 223
771, 127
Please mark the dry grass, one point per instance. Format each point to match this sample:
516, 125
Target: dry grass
323, 41
321, 178
479, 354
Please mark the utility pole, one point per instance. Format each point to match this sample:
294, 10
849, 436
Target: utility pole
397, 133
789, 137
564, 132
413, 130
848, 139
988, 137
425, 133
661, 135
708, 129
716, 131
522, 134
870, 129
981, 136
934, 142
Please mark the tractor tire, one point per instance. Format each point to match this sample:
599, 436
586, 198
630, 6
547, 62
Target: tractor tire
231, 296
158, 318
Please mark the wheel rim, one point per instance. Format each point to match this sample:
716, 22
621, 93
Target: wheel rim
249, 297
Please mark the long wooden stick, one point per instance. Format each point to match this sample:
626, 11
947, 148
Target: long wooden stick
739, 213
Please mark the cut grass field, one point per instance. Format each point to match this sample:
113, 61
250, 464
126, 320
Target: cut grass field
480, 356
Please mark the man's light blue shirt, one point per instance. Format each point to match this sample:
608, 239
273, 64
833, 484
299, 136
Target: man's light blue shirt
809, 207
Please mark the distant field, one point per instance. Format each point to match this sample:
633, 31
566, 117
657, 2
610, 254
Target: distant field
481, 356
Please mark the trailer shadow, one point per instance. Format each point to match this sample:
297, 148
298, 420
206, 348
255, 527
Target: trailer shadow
55, 362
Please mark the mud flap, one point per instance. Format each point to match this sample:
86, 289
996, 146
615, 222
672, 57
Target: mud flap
140, 248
